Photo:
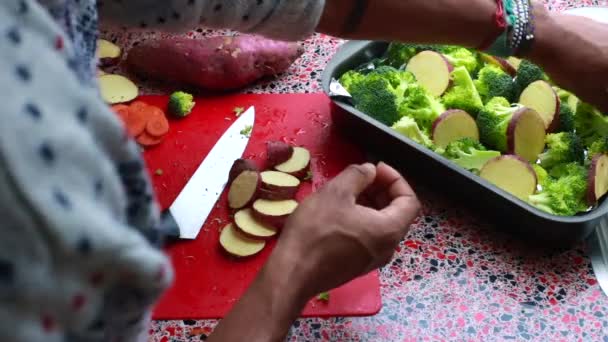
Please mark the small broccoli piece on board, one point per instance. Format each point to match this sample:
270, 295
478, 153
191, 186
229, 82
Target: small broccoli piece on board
181, 104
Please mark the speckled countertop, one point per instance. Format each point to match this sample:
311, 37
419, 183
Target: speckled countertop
454, 278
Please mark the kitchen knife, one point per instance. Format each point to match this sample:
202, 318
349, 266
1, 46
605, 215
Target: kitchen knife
186, 216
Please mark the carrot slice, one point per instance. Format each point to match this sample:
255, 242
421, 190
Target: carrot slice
138, 105
146, 139
122, 111
136, 122
158, 125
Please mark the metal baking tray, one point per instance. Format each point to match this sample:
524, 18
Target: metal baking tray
424, 166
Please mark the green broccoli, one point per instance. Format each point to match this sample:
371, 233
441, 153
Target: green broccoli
566, 118
493, 121
565, 195
590, 124
493, 82
469, 154
375, 96
397, 78
420, 105
461, 57
562, 148
527, 73
463, 94
408, 127
598, 147
181, 104
398, 54
349, 78
542, 176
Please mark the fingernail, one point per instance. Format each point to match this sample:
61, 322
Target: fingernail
369, 166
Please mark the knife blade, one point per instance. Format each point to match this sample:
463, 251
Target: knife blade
188, 213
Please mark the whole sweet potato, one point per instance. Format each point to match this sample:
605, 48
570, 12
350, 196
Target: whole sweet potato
217, 63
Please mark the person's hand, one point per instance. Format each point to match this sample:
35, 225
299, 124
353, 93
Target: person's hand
573, 51
333, 238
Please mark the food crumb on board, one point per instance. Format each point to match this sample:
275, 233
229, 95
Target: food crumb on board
247, 131
323, 297
238, 111
159, 172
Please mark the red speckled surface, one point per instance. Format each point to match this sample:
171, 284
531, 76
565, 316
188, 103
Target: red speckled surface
454, 278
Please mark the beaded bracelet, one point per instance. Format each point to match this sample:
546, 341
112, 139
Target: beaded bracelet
518, 31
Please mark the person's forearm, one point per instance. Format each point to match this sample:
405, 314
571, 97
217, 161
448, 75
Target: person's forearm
458, 22
268, 308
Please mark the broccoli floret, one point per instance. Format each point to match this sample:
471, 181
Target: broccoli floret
598, 147
420, 105
566, 118
469, 154
562, 148
461, 57
408, 127
591, 125
375, 96
181, 104
494, 82
542, 176
398, 54
527, 73
397, 78
493, 121
565, 195
463, 94
349, 78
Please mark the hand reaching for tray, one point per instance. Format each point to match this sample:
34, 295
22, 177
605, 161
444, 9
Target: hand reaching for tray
329, 240
573, 51
332, 238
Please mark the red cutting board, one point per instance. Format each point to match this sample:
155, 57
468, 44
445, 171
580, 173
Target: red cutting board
207, 282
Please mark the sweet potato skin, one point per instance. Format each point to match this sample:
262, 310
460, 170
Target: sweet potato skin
217, 63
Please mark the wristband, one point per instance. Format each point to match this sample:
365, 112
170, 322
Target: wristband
501, 46
500, 21
518, 35
528, 36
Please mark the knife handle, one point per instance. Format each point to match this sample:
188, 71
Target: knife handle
169, 227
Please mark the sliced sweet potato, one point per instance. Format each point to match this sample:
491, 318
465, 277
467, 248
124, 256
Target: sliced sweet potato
512, 174
526, 134
598, 178
281, 185
250, 226
278, 153
117, 89
273, 213
238, 244
108, 53
298, 164
243, 189
432, 71
541, 97
239, 166
454, 125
